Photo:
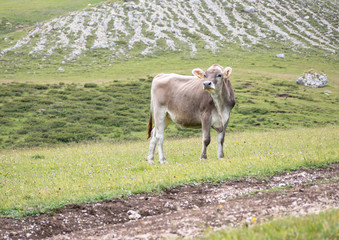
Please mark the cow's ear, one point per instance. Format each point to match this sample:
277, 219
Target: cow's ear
227, 71
198, 72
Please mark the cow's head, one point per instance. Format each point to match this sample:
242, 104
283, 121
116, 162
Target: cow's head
214, 77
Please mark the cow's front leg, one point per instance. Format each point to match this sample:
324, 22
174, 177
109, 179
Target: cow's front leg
206, 139
221, 137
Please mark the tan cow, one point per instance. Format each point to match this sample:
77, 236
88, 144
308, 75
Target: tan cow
204, 100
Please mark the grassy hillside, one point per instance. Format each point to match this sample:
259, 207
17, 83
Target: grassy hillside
92, 43
22, 13
35, 114
41, 179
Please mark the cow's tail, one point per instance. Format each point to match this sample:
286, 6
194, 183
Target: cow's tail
150, 121
150, 125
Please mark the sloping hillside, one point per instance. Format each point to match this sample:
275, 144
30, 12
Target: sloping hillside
147, 27
41, 104
20, 14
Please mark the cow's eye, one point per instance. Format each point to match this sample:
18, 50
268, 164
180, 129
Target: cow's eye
219, 75
205, 75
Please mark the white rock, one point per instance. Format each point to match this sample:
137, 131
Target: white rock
313, 79
61, 69
133, 215
280, 55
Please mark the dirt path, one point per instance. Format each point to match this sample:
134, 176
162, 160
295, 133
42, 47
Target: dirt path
186, 211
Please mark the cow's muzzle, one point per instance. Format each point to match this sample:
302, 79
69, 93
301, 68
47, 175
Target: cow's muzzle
208, 85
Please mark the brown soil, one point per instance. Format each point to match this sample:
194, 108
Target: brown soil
185, 211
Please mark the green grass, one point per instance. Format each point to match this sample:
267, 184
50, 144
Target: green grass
22, 13
33, 114
324, 225
42, 179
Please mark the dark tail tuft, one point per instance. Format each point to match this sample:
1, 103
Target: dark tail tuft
150, 126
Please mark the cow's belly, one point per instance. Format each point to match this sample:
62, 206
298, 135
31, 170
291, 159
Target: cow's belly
185, 120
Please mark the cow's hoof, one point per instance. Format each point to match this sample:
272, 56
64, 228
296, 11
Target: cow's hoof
163, 161
222, 158
203, 159
150, 160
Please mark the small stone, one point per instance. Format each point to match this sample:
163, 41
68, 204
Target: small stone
250, 10
61, 69
327, 92
280, 55
133, 215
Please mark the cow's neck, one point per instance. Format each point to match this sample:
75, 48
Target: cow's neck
220, 102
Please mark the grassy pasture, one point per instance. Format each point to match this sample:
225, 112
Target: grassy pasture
316, 226
42, 179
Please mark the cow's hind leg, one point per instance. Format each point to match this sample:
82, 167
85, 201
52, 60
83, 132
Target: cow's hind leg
159, 134
152, 145
161, 121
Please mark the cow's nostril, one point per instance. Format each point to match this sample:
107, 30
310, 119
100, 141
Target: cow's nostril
209, 83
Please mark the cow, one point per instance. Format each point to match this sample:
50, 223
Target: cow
204, 100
